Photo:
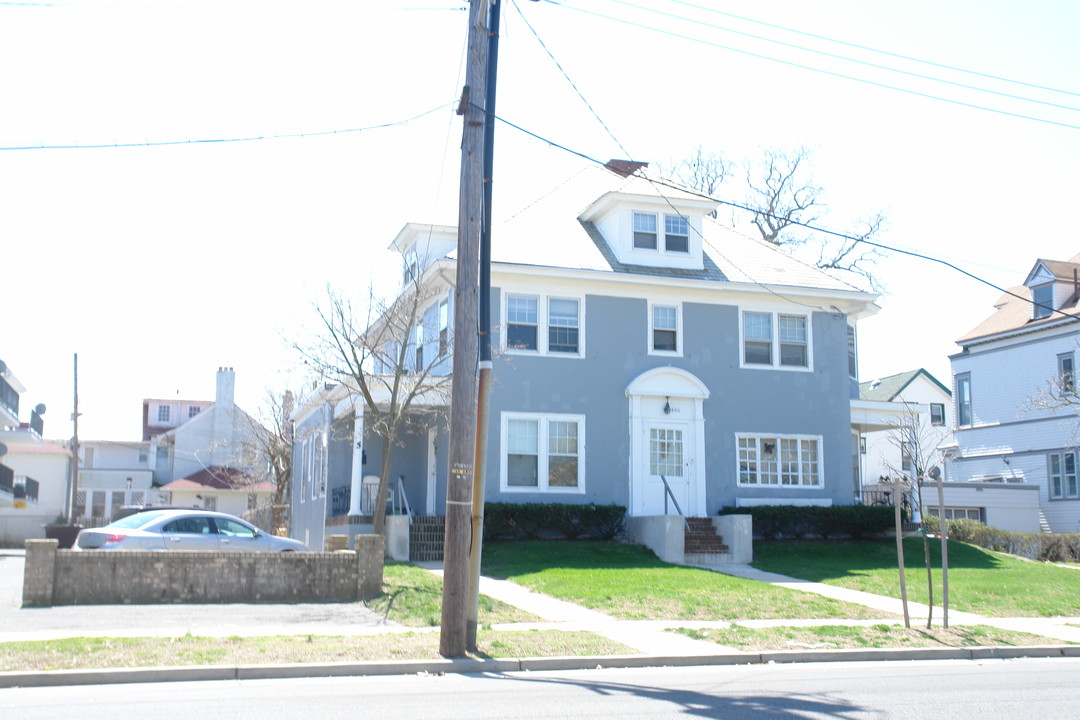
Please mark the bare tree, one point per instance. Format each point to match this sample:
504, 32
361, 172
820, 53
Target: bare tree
272, 440
703, 170
384, 362
786, 205
919, 443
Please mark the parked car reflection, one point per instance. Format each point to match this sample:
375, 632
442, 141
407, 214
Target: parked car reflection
190, 529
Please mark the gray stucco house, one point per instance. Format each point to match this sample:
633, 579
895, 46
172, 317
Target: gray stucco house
635, 337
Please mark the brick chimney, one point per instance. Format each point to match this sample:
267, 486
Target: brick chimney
226, 386
626, 168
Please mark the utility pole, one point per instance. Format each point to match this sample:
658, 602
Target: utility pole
462, 449
484, 331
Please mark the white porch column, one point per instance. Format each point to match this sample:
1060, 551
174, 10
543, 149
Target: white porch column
357, 459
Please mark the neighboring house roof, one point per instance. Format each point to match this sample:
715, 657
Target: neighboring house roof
219, 478
887, 389
1013, 309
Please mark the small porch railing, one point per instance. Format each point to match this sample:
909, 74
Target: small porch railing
669, 494
397, 501
888, 498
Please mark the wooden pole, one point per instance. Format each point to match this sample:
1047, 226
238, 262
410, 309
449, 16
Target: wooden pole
73, 482
462, 447
944, 553
484, 334
900, 552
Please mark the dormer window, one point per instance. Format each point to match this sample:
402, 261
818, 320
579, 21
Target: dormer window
1043, 298
645, 231
676, 234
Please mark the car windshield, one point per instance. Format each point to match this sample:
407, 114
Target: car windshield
136, 521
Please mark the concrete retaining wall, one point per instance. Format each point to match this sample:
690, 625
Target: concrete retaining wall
68, 577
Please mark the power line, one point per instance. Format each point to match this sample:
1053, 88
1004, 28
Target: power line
808, 226
250, 138
822, 71
867, 48
834, 56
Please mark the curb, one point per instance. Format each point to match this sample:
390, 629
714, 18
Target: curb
53, 678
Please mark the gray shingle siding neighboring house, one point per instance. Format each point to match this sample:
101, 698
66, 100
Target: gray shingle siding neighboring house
689, 350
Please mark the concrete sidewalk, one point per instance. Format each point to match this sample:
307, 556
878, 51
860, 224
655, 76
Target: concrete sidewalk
653, 644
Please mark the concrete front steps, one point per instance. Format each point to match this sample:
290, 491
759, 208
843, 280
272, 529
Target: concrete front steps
426, 536
702, 545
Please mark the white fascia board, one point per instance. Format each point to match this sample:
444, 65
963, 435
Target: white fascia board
848, 302
877, 415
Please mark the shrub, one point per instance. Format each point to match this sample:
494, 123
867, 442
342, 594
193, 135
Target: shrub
1048, 547
511, 521
797, 521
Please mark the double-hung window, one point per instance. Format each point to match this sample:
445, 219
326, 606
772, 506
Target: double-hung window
164, 413
676, 234
1062, 473
563, 325
444, 328
419, 359
522, 318
1042, 297
664, 333
542, 453
937, 414
776, 339
779, 461
963, 400
1066, 373
543, 325
645, 234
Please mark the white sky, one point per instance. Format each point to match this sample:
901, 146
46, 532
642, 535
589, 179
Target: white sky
160, 264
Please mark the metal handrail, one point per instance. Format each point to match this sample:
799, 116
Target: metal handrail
668, 493
403, 496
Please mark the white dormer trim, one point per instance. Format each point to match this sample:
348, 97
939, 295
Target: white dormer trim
613, 214
421, 244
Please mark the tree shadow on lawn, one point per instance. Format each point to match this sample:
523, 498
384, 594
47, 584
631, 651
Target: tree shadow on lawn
511, 558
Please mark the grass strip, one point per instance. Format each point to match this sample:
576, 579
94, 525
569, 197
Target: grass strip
629, 582
980, 581
829, 637
103, 653
412, 596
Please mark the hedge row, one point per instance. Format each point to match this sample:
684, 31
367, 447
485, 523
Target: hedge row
799, 521
1048, 547
516, 521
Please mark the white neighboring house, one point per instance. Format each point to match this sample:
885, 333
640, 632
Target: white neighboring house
209, 460
925, 417
1015, 394
112, 474
33, 473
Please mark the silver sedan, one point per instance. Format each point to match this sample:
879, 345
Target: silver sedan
183, 530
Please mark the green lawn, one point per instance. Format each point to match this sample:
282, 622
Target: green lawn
629, 582
413, 596
980, 581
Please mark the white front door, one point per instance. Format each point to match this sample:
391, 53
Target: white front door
669, 451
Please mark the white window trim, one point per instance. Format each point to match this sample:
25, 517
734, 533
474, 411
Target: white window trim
661, 234
542, 312
678, 330
820, 485
775, 363
1064, 495
542, 459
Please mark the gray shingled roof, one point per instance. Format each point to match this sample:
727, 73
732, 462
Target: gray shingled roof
887, 389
